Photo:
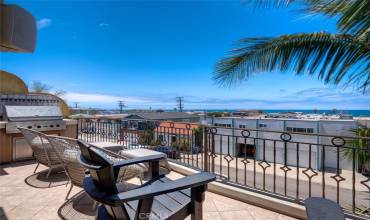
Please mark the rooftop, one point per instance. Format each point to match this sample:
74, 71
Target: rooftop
25, 195
162, 115
299, 118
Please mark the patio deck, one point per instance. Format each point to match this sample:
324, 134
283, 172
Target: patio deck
25, 195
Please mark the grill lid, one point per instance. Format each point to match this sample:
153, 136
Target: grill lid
31, 113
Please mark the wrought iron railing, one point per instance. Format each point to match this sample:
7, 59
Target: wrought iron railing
289, 165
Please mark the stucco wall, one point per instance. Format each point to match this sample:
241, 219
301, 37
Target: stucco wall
225, 144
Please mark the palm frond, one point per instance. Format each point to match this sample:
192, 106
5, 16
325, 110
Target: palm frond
358, 147
270, 3
334, 58
354, 15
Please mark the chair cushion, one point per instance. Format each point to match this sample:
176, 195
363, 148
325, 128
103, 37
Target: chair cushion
132, 171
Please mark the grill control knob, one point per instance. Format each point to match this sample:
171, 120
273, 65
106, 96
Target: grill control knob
51, 126
58, 126
38, 126
29, 127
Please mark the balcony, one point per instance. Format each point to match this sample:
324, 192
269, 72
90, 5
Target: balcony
288, 166
25, 195
260, 174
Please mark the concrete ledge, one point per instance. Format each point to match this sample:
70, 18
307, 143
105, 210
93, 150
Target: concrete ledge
266, 202
2, 124
70, 121
274, 204
182, 169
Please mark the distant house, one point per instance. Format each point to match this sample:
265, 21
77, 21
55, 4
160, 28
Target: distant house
251, 112
111, 117
169, 132
166, 116
165, 132
136, 123
253, 146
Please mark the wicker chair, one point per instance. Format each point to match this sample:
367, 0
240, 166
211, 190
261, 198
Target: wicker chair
68, 151
42, 149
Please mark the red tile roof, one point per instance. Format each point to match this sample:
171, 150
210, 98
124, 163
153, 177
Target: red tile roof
176, 127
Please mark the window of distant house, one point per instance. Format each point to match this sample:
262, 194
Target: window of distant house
173, 139
242, 126
262, 125
223, 125
300, 130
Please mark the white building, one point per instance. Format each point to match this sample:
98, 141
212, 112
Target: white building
225, 141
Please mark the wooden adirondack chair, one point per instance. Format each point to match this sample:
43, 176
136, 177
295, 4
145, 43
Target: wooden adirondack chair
159, 198
68, 151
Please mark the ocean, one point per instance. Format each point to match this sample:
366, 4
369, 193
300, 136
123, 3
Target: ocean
356, 113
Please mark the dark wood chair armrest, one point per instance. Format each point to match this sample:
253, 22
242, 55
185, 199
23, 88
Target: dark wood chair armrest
159, 188
154, 189
323, 209
137, 160
122, 163
109, 152
86, 164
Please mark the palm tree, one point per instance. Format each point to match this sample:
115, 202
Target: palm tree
360, 149
60, 93
198, 135
337, 58
39, 87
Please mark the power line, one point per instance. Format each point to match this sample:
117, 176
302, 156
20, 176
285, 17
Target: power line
121, 105
180, 103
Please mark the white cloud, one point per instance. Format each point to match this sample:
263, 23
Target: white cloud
321, 98
103, 25
43, 23
94, 98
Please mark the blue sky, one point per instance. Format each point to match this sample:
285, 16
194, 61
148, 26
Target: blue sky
148, 52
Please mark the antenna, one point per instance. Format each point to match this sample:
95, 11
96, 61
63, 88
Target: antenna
180, 103
121, 105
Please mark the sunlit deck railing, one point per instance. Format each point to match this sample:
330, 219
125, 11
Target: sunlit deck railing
288, 165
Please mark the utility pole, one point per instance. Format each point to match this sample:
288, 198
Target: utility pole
180, 103
121, 105
76, 107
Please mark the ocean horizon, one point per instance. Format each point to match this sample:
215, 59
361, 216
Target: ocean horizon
353, 112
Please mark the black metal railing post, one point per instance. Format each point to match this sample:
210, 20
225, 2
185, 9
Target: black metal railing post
205, 149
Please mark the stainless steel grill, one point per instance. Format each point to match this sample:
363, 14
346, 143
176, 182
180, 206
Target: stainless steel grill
39, 112
26, 100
